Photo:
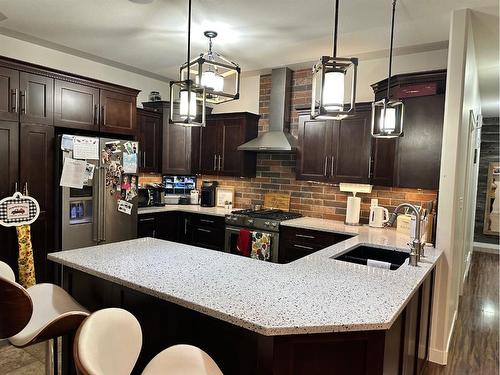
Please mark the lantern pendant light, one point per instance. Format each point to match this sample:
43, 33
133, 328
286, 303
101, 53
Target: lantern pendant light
330, 77
387, 114
219, 76
185, 110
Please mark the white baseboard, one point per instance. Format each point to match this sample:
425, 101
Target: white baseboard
441, 356
487, 247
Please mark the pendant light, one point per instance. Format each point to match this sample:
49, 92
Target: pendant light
216, 72
387, 114
330, 77
185, 110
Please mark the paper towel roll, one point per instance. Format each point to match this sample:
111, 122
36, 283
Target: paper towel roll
353, 209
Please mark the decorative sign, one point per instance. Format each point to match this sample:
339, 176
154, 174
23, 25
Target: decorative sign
18, 210
223, 195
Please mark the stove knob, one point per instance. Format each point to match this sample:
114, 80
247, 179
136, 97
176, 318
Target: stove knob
234, 218
274, 224
266, 223
250, 221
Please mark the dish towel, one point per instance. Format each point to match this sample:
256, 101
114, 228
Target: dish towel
378, 264
261, 246
25, 260
244, 241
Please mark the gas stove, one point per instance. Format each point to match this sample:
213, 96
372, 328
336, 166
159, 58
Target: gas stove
266, 219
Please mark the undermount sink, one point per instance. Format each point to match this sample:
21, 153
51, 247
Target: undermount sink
360, 255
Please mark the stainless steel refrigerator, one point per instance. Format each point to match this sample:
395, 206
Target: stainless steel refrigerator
90, 216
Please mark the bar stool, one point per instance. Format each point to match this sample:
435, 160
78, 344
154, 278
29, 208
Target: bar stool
109, 342
42, 312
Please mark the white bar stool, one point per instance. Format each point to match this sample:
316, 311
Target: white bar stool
109, 342
42, 312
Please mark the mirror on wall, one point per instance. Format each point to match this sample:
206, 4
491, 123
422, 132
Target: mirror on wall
492, 207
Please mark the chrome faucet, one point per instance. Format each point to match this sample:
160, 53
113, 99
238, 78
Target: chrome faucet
416, 247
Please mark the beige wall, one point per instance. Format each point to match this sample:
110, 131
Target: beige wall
249, 97
30, 52
455, 197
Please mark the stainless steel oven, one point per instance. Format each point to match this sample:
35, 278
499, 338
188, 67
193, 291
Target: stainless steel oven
231, 238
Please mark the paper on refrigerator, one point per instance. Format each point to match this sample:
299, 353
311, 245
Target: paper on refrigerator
74, 173
129, 163
125, 207
86, 148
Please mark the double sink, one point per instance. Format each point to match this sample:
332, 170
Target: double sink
374, 257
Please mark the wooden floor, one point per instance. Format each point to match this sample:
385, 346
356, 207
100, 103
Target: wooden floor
474, 346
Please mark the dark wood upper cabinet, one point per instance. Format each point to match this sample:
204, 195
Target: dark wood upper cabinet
314, 149
220, 139
36, 99
9, 94
334, 151
118, 113
383, 155
76, 106
9, 157
351, 154
149, 127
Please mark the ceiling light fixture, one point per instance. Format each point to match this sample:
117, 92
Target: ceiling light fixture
185, 110
215, 71
329, 82
387, 114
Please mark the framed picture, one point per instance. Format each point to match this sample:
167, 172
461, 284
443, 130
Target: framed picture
492, 206
223, 195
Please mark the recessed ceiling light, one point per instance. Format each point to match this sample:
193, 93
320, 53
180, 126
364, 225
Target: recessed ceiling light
141, 1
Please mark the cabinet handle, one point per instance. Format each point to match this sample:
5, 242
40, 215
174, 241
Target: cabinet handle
144, 161
331, 168
154, 233
215, 162
15, 107
220, 162
304, 236
22, 94
326, 162
303, 247
204, 230
147, 219
103, 114
95, 113
207, 221
370, 169
185, 226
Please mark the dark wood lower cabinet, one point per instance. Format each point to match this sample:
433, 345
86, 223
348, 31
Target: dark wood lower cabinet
240, 351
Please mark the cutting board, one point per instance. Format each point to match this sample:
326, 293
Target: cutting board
277, 200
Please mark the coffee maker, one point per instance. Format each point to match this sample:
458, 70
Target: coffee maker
208, 189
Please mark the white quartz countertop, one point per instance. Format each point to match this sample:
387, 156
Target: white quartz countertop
314, 294
193, 208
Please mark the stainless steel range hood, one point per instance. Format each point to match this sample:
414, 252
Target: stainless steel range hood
278, 138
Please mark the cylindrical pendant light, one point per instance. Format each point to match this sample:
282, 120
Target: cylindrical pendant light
184, 110
387, 114
329, 84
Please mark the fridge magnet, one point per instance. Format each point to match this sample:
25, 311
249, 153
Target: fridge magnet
74, 173
86, 148
129, 163
89, 172
113, 147
18, 210
67, 142
125, 207
223, 195
132, 192
128, 147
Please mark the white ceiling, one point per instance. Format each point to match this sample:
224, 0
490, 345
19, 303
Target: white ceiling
258, 34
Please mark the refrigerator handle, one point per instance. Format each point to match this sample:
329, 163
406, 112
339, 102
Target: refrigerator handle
101, 205
95, 204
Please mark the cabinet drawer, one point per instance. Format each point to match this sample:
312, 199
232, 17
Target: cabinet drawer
206, 237
207, 221
146, 226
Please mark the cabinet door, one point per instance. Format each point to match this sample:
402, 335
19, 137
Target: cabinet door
36, 169
232, 134
176, 149
210, 140
37, 99
146, 226
149, 141
350, 157
9, 162
9, 94
418, 152
118, 113
76, 106
313, 153
383, 154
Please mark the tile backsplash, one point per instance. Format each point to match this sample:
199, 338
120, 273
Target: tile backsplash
276, 173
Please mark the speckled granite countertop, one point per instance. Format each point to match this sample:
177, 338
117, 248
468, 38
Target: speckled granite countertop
314, 294
194, 208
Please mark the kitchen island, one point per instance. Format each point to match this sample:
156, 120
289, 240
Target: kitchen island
313, 315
